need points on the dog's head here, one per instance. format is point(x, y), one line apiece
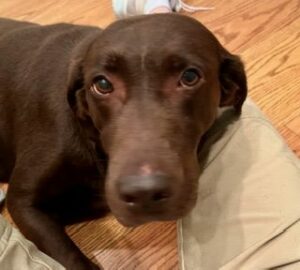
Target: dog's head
point(150, 88)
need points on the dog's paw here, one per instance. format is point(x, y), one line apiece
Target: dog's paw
point(84, 265)
point(96, 267)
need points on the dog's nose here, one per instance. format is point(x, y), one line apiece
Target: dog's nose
point(145, 191)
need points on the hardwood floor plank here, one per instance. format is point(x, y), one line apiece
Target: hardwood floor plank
point(241, 24)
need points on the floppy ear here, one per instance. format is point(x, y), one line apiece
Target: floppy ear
point(233, 81)
point(75, 81)
point(76, 93)
point(77, 99)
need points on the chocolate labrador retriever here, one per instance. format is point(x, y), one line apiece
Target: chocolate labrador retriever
point(93, 119)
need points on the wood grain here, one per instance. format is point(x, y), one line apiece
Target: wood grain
point(267, 36)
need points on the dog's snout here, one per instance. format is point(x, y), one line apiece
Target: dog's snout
point(147, 191)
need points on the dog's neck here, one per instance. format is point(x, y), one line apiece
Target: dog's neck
point(225, 117)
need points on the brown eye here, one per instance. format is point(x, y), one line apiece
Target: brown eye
point(189, 77)
point(102, 86)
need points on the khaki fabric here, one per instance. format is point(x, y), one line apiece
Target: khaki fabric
point(17, 253)
point(248, 211)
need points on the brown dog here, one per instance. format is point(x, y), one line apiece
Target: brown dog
point(92, 120)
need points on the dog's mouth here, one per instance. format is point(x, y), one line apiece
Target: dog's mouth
point(131, 220)
point(171, 209)
point(134, 221)
point(144, 185)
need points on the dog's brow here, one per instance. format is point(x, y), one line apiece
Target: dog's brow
point(112, 61)
point(175, 62)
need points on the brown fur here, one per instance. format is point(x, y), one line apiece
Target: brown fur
point(69, 153)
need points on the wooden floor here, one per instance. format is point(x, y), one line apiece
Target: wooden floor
point(267, 36)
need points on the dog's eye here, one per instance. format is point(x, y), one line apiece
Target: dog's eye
point(102, 86)
point(189, 77)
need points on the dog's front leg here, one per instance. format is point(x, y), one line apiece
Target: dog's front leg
point(41, 228)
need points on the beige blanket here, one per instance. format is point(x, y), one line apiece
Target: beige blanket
point(248, 212)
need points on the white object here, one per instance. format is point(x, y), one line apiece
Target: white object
point(127, 8)
point(2, 196)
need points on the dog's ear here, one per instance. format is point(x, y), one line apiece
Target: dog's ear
point(233, 81)
point(76, 92)
point(77, 98)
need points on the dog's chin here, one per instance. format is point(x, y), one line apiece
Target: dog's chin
point(126, 222)
point(138, 222)
point(134, 221)
point(136, 217)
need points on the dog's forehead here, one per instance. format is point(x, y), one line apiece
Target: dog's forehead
point(159, 30)
point(154, 38)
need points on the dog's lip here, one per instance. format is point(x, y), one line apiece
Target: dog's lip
point(134, 221)
point(128, 222)
point(133, 217)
